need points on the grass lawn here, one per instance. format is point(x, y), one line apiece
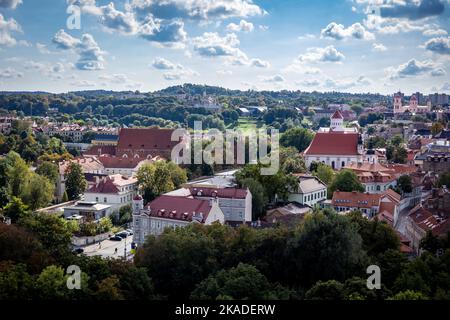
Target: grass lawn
point(247, 124)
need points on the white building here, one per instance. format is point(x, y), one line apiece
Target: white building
point(115, 190)
point(310, 191)
point(89, 211)
point(336, 146)
point(235, 203)
point(413, 107)
point(171, 212)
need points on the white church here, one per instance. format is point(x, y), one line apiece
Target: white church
point(338, 146)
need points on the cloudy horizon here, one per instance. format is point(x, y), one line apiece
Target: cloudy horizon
point(356, 46)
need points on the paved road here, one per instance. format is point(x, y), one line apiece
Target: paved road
point(401, 221)
point(107, 249)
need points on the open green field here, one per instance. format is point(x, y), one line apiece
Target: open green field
point(247, 124)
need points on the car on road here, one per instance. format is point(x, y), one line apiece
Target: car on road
point(130, 232)
point(122, 234)
point(115, 238)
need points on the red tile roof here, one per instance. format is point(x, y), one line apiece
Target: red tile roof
point(334, 143)
point(100, 150)
point(337, 115)
point(104, 186)
point(119, 162)
point(178, 208)
point(145, 139)
point(355, 199)
point(230, 193)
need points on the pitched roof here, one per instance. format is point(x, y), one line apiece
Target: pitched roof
point(89, 164)
point(337, 115)
point(355, 199)
point(97, 150)
point(147, 138)
point(178, 208)
point(334, 143)
point(110, 184)
point(119, 162)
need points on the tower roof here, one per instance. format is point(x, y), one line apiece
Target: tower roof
point(337, 115)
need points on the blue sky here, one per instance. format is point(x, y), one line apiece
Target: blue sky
point(348, 45)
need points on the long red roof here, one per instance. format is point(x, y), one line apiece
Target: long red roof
point(145, 139)
point(334, 143)
point(178, 208)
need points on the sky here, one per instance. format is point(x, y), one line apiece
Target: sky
point(378, 46)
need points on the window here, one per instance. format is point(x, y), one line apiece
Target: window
point(104, 200)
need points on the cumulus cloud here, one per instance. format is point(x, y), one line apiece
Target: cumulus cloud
point(10, 73)
point(210, 44)
point(115, 20)
point(168, 34)
point(411, 68)
point(378, 47)
point(273, 79)
point(9, 4)
point(163, 64)
point(90, 56)
point(339, 32)
point(87, 6)
point(438, 72)
point(7, 27)
point(260, 63)
point(435, 32)
point(200, 10)
point(327, 54)
point(439, 45)
point(412, 9)
point(309, 83)
point(243, 26)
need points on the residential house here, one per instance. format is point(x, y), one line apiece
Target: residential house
point(310, 192)
point(171, 212)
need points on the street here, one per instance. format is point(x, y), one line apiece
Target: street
point(106, 249)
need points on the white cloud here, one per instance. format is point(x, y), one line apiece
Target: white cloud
point(166, 34)
point(273, 79)
point(42, 48)
point(378, 47)
point(411, 68)
point(90, 56)
point(435, 32)
point(117, 21)
point(243, 26)
point(163, 64)
point(200, 10)
point(263, 27)
point(439, 72)
point(260, 63)
point(327, 54)
point(10, 73)
point(6, 28)
point(439, 45)
point(339, 32)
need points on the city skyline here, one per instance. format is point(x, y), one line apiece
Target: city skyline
point(350, 46)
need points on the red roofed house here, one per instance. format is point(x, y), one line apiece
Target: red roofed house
point(369, 204)
point(336, 146)
point(171, 212)
point(115, 190)
point(431, 215)
point(145, 143)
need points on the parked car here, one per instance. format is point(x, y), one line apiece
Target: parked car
point(115, 238)
point(122, 234)
point(130, 232)
point(78, 251)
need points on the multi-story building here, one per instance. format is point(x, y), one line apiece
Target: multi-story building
point(115, 190)
point(171, 212)
point(235, 203)
point(310, 192)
